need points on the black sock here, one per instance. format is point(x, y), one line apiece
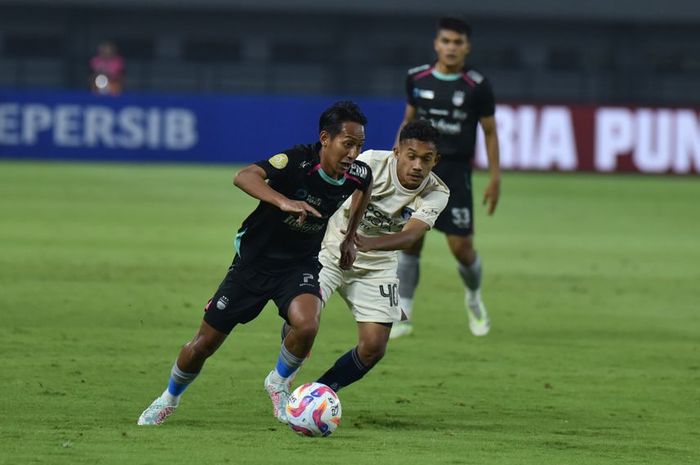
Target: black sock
point(347, 369)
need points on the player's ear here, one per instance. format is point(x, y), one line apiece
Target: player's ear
point(325, 138)
point(396, 151)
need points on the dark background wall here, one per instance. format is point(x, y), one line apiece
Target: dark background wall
point(600, 52)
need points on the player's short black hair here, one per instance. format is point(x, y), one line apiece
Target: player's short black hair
point(454, 24)
point(420, 129)
point(340, 112)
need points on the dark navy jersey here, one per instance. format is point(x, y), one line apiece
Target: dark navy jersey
point(453, 103)
point(271, 236)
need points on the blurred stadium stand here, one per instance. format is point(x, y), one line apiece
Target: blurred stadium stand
point(644, 51)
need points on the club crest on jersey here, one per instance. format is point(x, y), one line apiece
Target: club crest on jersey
point(222, 302)
point(279, 161)
point(458, 98)
point(424, 93)
point(406, 213)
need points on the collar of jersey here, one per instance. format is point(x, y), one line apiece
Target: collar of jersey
point(395, 178)
point(330, 180)
point(446, 77)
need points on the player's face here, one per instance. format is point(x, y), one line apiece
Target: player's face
point(451, 48)
point(338, 153)
point(415, 160)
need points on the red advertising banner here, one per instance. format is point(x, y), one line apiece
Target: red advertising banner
point(599, 139)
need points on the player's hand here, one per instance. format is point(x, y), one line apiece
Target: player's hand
point(300, 209)
point(491, 194)
point(348, 253)
point(363, 243)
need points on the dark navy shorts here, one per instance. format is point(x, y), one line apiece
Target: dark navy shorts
point(246, 290)
point(457, 218)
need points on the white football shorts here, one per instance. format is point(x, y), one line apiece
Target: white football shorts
point(372, 296)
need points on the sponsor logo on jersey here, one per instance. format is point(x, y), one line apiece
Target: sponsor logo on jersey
point(309, 227)
point(424, 93)
point(458, 98)
point(315, 201)
point(438, 111)
point(376, 220)
point(279, 161)
point(445, 127)
point(459, 114)
point(222, 303)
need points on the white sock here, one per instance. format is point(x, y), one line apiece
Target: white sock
point(473, 294)
point(276, 378)
point(169, 398)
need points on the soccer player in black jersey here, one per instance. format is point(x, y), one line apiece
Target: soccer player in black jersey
point(455, 99)
point(276, 252)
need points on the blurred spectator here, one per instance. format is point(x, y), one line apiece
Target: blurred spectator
point(107, 68)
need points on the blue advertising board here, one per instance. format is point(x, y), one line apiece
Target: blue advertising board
point(171, 128)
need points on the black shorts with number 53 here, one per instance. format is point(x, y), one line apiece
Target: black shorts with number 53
point(246, 290)
point(457, 218)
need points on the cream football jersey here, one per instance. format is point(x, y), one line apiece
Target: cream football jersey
point(390, 208)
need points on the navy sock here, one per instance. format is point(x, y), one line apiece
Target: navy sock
point(347, 369)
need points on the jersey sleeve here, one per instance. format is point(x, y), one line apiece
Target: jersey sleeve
point(280, 165)
point(366, 156)
point(430, 205)
point(361, 174)
point(485, 101)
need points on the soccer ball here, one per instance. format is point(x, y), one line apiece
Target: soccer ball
point(313, 409)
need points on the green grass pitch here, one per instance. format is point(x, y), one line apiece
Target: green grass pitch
point(593, 285)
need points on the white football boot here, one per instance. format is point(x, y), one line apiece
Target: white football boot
point(400, 328)
point(279, 394)
point(157, 412)
point(479, 323)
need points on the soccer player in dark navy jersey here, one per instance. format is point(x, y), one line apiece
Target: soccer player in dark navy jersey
point(455, 99)
point(276, 252)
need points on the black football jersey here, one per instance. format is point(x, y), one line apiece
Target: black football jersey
point(453, 103)
point(271, 235)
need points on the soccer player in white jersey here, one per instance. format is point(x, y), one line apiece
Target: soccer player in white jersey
point(405, 202)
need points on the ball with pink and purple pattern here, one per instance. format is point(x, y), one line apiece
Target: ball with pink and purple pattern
point(313, 409)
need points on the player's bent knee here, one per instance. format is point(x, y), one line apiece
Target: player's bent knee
point(371, 354)
point(462, 248)
point(306, 329)
point(203, 347)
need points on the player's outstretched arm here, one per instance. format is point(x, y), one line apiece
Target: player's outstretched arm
point(493, 189)
point(251, 180)
point(411, 232)
point(359, 203)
